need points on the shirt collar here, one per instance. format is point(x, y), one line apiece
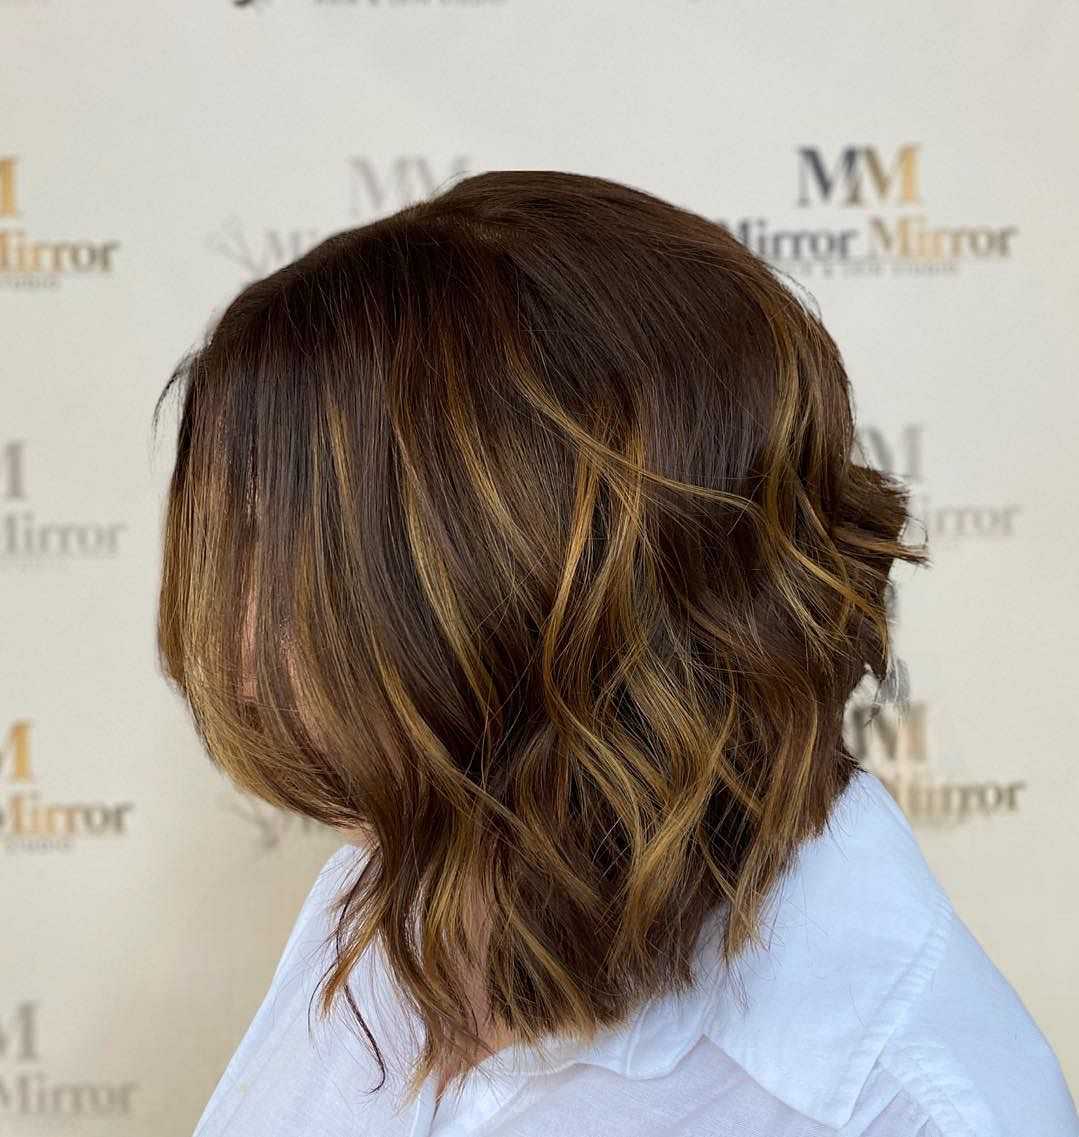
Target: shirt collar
point(850, 934)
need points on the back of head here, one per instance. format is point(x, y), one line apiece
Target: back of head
point(541, 499)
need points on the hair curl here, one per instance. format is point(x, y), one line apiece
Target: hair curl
point(565, 572)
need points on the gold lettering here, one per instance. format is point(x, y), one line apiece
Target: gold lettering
point(7, 187)
point(16, 752)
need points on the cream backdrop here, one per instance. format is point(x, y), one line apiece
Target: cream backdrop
point(914, 166)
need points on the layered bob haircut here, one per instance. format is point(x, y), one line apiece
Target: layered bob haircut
point(542, 494)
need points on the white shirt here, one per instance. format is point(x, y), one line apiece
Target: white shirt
point(871, 1012)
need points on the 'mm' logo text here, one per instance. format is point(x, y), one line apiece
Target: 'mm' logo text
point(874, 219)
point(858, 177)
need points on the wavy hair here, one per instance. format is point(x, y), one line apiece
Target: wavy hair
point(542, 496)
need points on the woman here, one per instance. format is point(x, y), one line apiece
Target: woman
point(518, 537)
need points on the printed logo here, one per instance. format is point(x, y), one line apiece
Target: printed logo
point(26, 541)
point(875, 220)
point(373, 191)
point(892, 742)
point(258, 257)
point(32, 822)
point(376, 190)
point(903, 455)
point(30, 1093)
point(30, 263)
point(386, 4)
point(891, 737)
point(269, 827)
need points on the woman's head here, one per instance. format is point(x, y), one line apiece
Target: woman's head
point(535, 505)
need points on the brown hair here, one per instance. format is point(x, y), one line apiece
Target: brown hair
point(565, 572)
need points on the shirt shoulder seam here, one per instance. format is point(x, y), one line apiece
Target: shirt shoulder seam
point(906, 995)
point(904, 1064)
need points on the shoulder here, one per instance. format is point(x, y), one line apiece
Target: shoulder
point(872, 1010)
point(968, 1055)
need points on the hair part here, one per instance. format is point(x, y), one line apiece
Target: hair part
point(563, 574)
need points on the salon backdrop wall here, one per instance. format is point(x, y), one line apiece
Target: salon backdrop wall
point(913, 167)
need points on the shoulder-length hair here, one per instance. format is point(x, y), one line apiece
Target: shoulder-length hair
point(542, 495)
